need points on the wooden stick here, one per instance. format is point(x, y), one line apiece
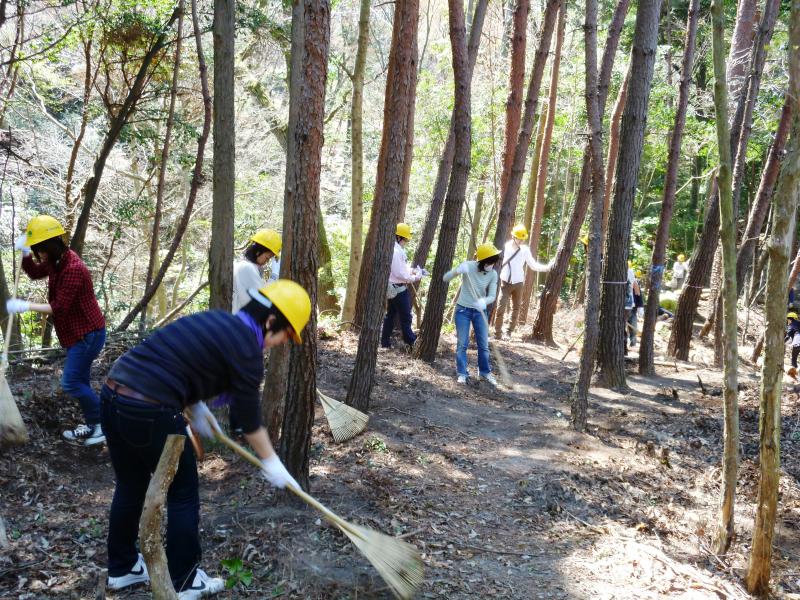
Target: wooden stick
point(152, 516)
point(10, 321)
point(572, 346)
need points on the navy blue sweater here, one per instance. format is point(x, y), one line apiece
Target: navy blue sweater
point(196, 358)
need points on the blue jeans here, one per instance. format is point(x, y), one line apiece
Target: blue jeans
point(463, 317)
point(75, 380)
point(136, 433)
point(399, 306)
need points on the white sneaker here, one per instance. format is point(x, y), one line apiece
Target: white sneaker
point(138, 574)
point(490, 378)
point(461, 379)
point(203, 585)
point(89, 435)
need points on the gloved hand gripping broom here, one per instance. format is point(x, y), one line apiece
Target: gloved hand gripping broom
point(398, 562)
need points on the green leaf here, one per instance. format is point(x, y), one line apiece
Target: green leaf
point(246, 577)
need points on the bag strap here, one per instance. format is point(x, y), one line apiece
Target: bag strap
point(510, 258)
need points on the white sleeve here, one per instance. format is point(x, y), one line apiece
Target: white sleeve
point(532, 263)
point(274, 270)
point(247, 276)
point(400, 268)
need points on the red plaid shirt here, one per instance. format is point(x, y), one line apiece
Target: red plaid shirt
point(71, 296)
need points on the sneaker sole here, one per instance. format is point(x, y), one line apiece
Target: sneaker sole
point(94, 441)
point(122, 586)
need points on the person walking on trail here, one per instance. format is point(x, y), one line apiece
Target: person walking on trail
point(478, 290)
point(516, 254)
point(680, 269)
point(248, 271)
point(398, 298)
point(197, 357)
point(77, 318)
point(638, 306)
point(793, 336)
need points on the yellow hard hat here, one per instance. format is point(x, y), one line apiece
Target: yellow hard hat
point(486, 251)
point(585, 240)
point(681, 258)
point(791, 315)
point(403, 230)
point(41, 228)
point(269, 238)
point(638, 274)
point(289, 298)
point(630, 264)
point(520, 232)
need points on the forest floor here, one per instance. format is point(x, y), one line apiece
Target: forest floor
point(500, 496)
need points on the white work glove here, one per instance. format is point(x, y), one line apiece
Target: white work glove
point(481, 303)
point(640, 312)
point(462, 269)
point(421, 271)
point(274, 472)
point(200, 420)
point(15, 305)
point(20, 244)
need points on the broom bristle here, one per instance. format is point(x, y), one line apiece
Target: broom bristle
point(12, 427)
point(398, 562)
point(345, 421)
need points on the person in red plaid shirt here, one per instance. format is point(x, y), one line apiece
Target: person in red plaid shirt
point(78, 321)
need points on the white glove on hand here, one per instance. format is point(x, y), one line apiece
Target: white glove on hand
point(274, 472)
point(200, 420)
point(20, 244)
point(15, 305)
point(462, 269)
point(640, 312)
point(480, 303)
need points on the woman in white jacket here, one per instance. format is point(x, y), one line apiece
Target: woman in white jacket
point(248, 271)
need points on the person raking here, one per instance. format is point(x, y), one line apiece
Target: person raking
point(77, 318)
point(793, 336)
point(478, 290)
point(195, 358)
point(248, 271)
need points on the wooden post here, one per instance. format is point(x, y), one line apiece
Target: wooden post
point(152, 516)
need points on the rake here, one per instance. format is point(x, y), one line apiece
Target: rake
point(12, 427)
point(345, 421)
point(398, 562)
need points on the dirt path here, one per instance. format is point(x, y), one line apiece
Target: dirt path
point(494, 488)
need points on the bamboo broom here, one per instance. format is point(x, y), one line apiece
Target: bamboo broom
point(398, 562)
point(12, 427)
point(345, 421)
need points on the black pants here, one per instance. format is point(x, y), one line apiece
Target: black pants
point(795, 352)
point(398, 307)
point(136, 433)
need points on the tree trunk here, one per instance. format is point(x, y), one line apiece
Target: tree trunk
point(197, 179)
point(760, 207)
point(580, 392)
point(400, 94)
point(543, 325)
point(508, 200)
point(544, 158)
point(728, 235)
point(613, 151)
point(516, 82)
point(299, 260)
point(328, 302)
point(426, 345)
point(783, 226)
point(646, 366)
point(119, 120)
point(611, 346)
point(357, 164)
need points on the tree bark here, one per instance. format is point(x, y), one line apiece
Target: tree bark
point(783, 226)
point(328, 302)
point(197, 179)
point(613, 151)
point(516, 82)
point(119, 120)
point(580, 392)
point(428, 341)
point(400, 94)
point(610, 353)
point(646, 366)
point(728, 234)
point(508, 200)
point(542, 329)
point(357, 164)
point(299, 259)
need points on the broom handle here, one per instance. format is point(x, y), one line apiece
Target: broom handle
point(329, 515)
point(10, 322)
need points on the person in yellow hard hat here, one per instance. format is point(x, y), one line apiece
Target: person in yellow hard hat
point(478, 290)
point(680, 270)
point(77, 318)
point(398, 306)
point(793, 336)
point(248, 271)
point(200, 356)
point(516, 254)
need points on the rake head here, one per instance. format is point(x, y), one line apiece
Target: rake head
point(345, 421)
point(398, 562)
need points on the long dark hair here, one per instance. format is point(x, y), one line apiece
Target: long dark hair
point(53, 247)
point(261, 314)
point(487, 262)
point(254, 250)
